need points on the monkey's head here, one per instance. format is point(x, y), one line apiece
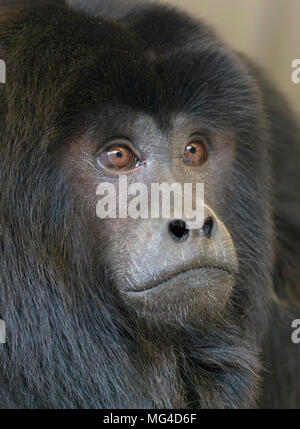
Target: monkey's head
point(93, 100)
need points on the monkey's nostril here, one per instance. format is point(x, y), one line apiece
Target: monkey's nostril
point(207, 227)
point(178, 230)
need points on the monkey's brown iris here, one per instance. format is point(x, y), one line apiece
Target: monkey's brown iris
point(196, 153)
point(118, 158)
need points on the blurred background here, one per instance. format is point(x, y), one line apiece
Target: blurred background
point(267, 30)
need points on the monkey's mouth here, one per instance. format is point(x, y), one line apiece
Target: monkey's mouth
point(189, 277)
point(192, 294)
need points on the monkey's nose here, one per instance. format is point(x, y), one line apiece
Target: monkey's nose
point(207, 227)
point(179, 231)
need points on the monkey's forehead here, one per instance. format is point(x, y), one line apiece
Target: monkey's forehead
point(154, 60)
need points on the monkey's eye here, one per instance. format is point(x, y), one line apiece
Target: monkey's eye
point(196, 152)
point(118, 158)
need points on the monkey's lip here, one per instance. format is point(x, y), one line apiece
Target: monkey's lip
point(183, 275)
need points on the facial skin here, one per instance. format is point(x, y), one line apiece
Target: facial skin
point(158, 270)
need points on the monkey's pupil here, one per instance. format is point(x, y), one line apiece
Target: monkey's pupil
point(119, 154)
point(193, 150)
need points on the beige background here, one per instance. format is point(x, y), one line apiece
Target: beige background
point(267, 30)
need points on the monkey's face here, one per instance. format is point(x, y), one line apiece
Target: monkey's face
point(161, 265)
point(118, 105)
point(159, 118)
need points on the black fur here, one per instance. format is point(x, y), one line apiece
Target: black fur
point(69, 343)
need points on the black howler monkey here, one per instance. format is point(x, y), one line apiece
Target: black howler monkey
point(143, 313)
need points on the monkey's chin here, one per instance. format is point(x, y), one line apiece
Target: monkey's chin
point(197, 294)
